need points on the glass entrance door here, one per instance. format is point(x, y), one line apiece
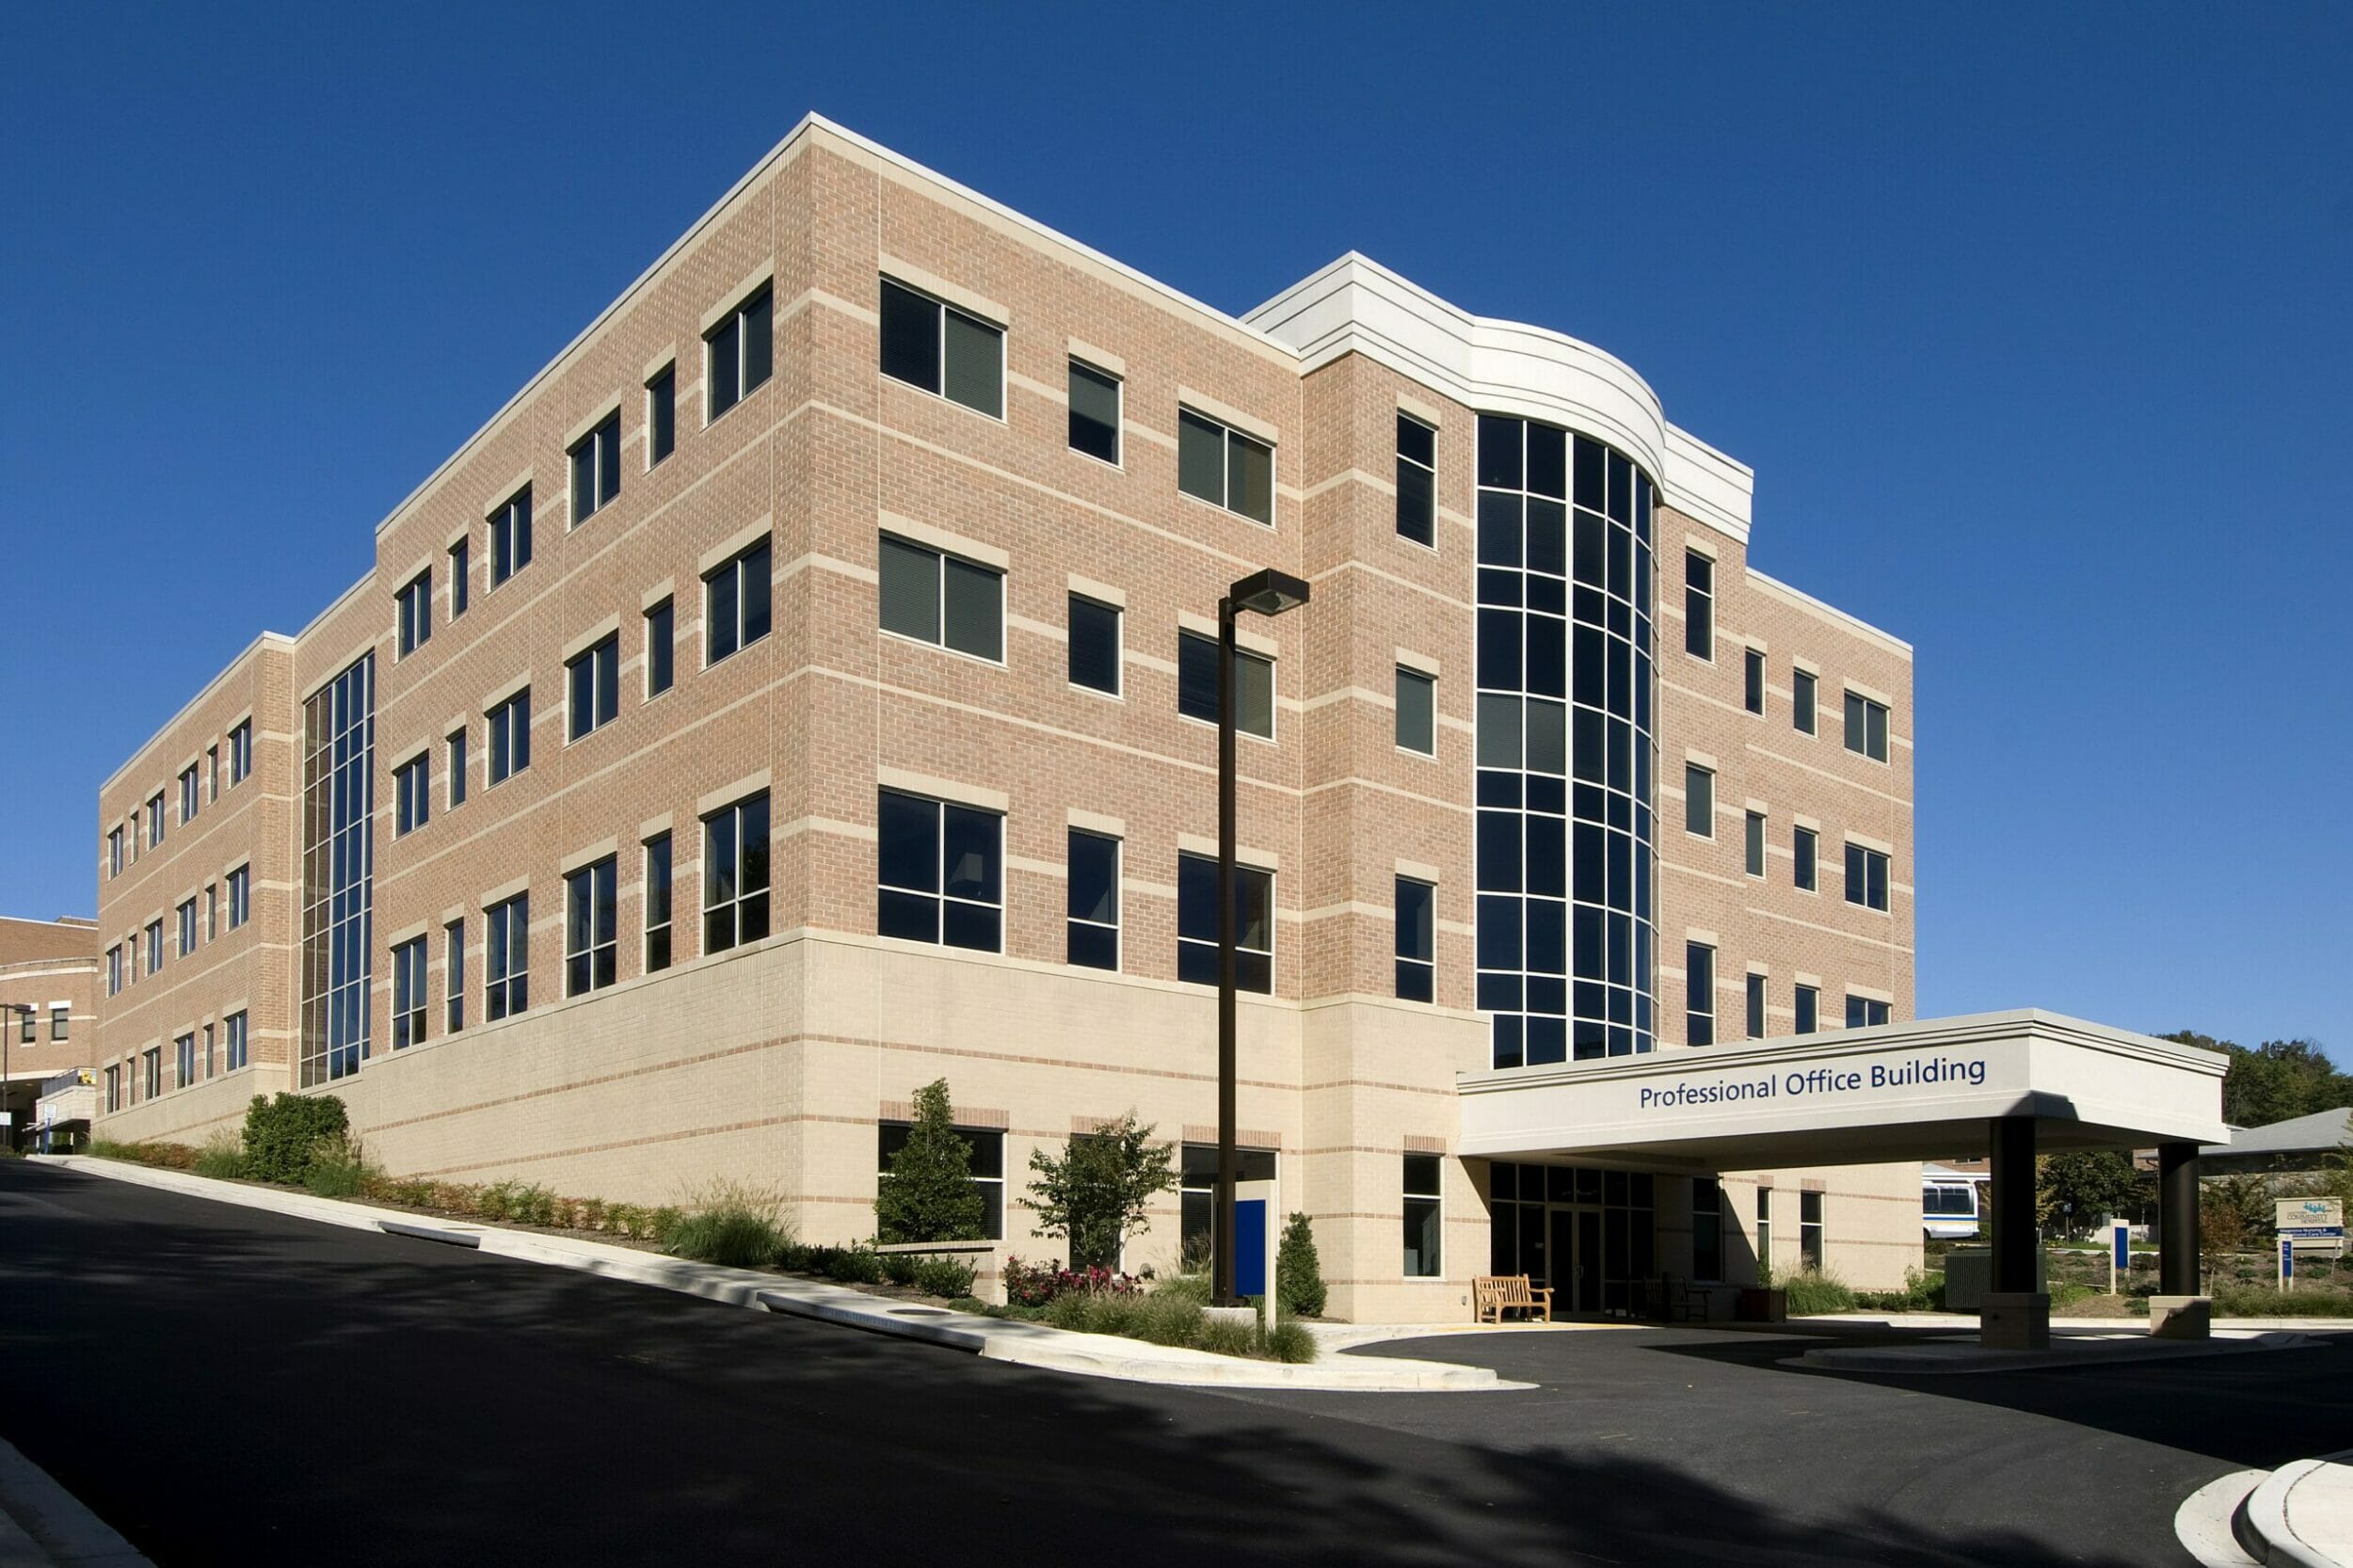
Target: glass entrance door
point(1577, 1259)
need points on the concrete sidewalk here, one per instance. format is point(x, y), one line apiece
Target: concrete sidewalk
point(995, 1338)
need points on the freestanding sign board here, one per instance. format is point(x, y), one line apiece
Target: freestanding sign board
point(2310, 1225)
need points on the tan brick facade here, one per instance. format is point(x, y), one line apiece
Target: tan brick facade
point(773, 1061)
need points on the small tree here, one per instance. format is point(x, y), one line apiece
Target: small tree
point(2222, 1228)
point(928, 1194)
point(1298, 1273)
point(2076, 1189)
point(282, 1136)
point(1099, 1188)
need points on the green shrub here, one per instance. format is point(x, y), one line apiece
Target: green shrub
point(1920, 1293)
point(1224, 1337)
point(170, 1157)
point(2262, 1301)
point(729, 1223)
point(1291, 1342)
point(899, 1268)
point(282, 1136)
point(1195, 1288)
point(951, 1277)
point(222, 1157)
point(1813, 1291)
point(1298, 1274)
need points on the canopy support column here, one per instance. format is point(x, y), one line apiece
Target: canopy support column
point(2016, 1314)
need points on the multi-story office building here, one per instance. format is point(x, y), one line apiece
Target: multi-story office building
point(48, 1008)
point(800, 690)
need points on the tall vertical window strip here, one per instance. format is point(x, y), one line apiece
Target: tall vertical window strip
point(338, 874)
point(660, 415)
point(740, 353)
point(1093, 413)
point(1699, 969)
point(1424, 1215)
point(1094, 909)
point(409, 994)
point(591, 940)
point(596, 469)
point(1753, 681)
point(661, 649)
point(1699, 605)
point(1565, 753)
point(1224, 467)
point(952, 354)
point(510, 537)
point(453, 975)
point(507, 959)
point(735, 874)
point(1416, 481)
point(1756, 1006)
point(657, 903)
point(1416, 940)
point(415, 604)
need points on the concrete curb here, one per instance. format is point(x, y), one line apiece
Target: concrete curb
point(995, 1338)
point(44, 1525)
point(2301, 1512)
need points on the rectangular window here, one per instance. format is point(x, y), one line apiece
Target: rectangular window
point(1801, 688)
point(412, 794)
point(114, 970)
point(234, 1039)
point(212, 1057)
point(1197, 924)
point(154, 946)
point(1224, 467)
point(510, 736)
point(657, 903)
point(1865, 1012)
point(240, 752)
point(59, 1019)
point(1094, 645)
point(212, 910)
point(1753, 847)
point(593, 683)
point(1753, 683)
point(1699, 605)
point(414, 603)
point(184, 1061)
point(987, 1166)
point(1424, 1216)
point(738, 353)
point(1196, 685)
point(187, 927)
point(454, 976)
point(1416, 940)
point(660, 415)
point(1756, 1006)
point(950, 353)
point(1764, 1234)
point(409, 994)
point(510, 537)
point(1707, 1229)
point(735, 874)
point(1699, 969)
point(25, 1034)
point(1417, 711)
point(942, 599)
point(155, 819)
point(1093, 916)
point(596, 469)
point(1867, 726)
point(457, 767)
point(661, 649)
point(114, 852)
point(1416, 481)
point(189, 793)
point(507, 931)
point(591, 943)
point(114, 1089)
point(940, 873)
point(460, 577)
point(1810, 1230)
point(736, 604)
point(1093, 413)
point(1803, 854)
point(1698, 800)
point(152, 1065)
point(1867, 877)
point(1809, 1009)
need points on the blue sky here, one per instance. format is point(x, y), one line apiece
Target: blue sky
point(2034, 323)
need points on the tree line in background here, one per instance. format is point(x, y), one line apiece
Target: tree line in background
point(2275, 1082)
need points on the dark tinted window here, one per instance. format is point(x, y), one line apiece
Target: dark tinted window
point(1093, 413)
point(1094, 644)
point(1093, 912)
point(662, 415)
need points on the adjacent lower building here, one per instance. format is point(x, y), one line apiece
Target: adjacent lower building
point(803, 690)
point(48, 1018)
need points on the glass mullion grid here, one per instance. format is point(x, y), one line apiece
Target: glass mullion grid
point(336, 919)
point(1564, 599)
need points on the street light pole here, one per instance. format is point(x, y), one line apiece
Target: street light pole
point(1266, 593)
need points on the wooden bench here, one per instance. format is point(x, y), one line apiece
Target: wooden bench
point(1494, 1295)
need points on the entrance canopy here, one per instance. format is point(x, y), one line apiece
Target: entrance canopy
point(1927, 1090)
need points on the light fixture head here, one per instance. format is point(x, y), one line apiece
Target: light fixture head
point(1269, 592)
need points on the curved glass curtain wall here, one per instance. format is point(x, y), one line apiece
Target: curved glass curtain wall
point(338, 871)
point(1565, 751)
